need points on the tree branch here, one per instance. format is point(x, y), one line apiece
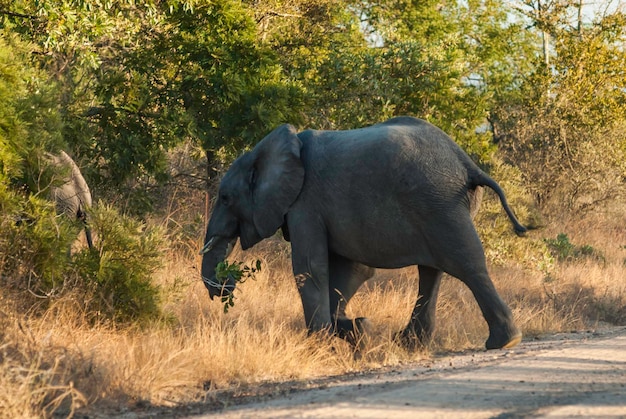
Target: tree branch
point(15, 14)
point(100, 110)
point(271, 13)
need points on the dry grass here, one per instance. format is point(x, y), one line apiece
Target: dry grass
point(59, 362)
point(35, 378)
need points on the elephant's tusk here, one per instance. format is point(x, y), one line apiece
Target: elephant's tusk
point(218, 285)
point(209, 245)
point(229, 249)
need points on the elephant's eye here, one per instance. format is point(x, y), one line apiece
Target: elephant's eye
point(225, 199)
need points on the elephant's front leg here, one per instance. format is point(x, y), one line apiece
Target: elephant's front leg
point(309, 254)
point(346, 276)
point(313, 289)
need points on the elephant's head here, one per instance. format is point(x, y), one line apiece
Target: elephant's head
point(254, 197)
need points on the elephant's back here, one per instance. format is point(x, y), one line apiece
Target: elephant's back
point(400, 136)
point(73, 194)
point(403, 152)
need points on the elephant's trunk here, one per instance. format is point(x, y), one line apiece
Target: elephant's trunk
point(215, 250)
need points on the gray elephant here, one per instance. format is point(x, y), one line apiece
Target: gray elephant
point(394, 194)
point(72, 197)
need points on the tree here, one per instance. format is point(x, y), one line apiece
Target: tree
point(32, 239)
point(139, 77)
point(447, 62)
point(566, 129)
point(361, 62)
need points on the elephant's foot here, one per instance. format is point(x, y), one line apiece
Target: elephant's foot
point(360, 336)
point(356, 332)
point(504, 339)
point(412, 340)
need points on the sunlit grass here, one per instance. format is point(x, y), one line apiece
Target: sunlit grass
point(61, 361)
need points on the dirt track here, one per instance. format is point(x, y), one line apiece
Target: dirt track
point(569, 375)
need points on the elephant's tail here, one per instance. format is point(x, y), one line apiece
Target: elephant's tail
point(484, 180)
point(82, 216)
point(88, 236)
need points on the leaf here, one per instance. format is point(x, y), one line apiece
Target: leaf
point(236, 272)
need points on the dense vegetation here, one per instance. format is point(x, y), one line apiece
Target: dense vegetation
point(154, 98)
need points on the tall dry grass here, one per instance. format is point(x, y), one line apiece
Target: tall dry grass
point(61, 362)
point(36, 378)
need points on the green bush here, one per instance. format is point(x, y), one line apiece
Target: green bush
point(118, 271)
point(564, 250)
point(34, 244)
point(495, 229)
point(113, 278)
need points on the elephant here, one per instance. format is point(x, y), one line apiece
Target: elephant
point(73, 196)
point(394, 194)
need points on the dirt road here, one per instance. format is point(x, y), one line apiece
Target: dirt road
point(569, 375)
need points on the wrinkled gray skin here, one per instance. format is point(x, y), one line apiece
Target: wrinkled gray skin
point(73, 196)
point(394, 194)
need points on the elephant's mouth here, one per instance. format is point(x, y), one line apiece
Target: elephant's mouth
point(217, 289)
point(215, 251)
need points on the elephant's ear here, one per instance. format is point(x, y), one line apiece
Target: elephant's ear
point(278, 178)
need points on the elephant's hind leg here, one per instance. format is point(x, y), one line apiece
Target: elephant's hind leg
point(346, 276)
point(467, 262)
point(419, 331)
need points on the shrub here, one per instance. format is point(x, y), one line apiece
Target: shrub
point(113, 278)
point(118, 271)
point(33, 241)
point(494, 227)
point(564, 250)
point(34, 245)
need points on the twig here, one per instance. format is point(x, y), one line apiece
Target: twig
point(15, 14)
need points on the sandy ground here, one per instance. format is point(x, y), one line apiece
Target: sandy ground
point(567, 375)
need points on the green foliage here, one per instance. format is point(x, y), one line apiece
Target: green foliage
point(33, 240)
point(362, 62)
point(134, 78)
point(114, 278)
point(29, 118)
point(230, 88)
point(139, 77)
point(501, 244)
point(118, 271)
point(34, 246)
point(234, 273)
point(564, 250)
point(565, 127)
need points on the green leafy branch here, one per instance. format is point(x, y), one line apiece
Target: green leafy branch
point(231, 274)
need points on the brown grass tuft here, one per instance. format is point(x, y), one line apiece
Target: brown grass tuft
point(57, 362)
